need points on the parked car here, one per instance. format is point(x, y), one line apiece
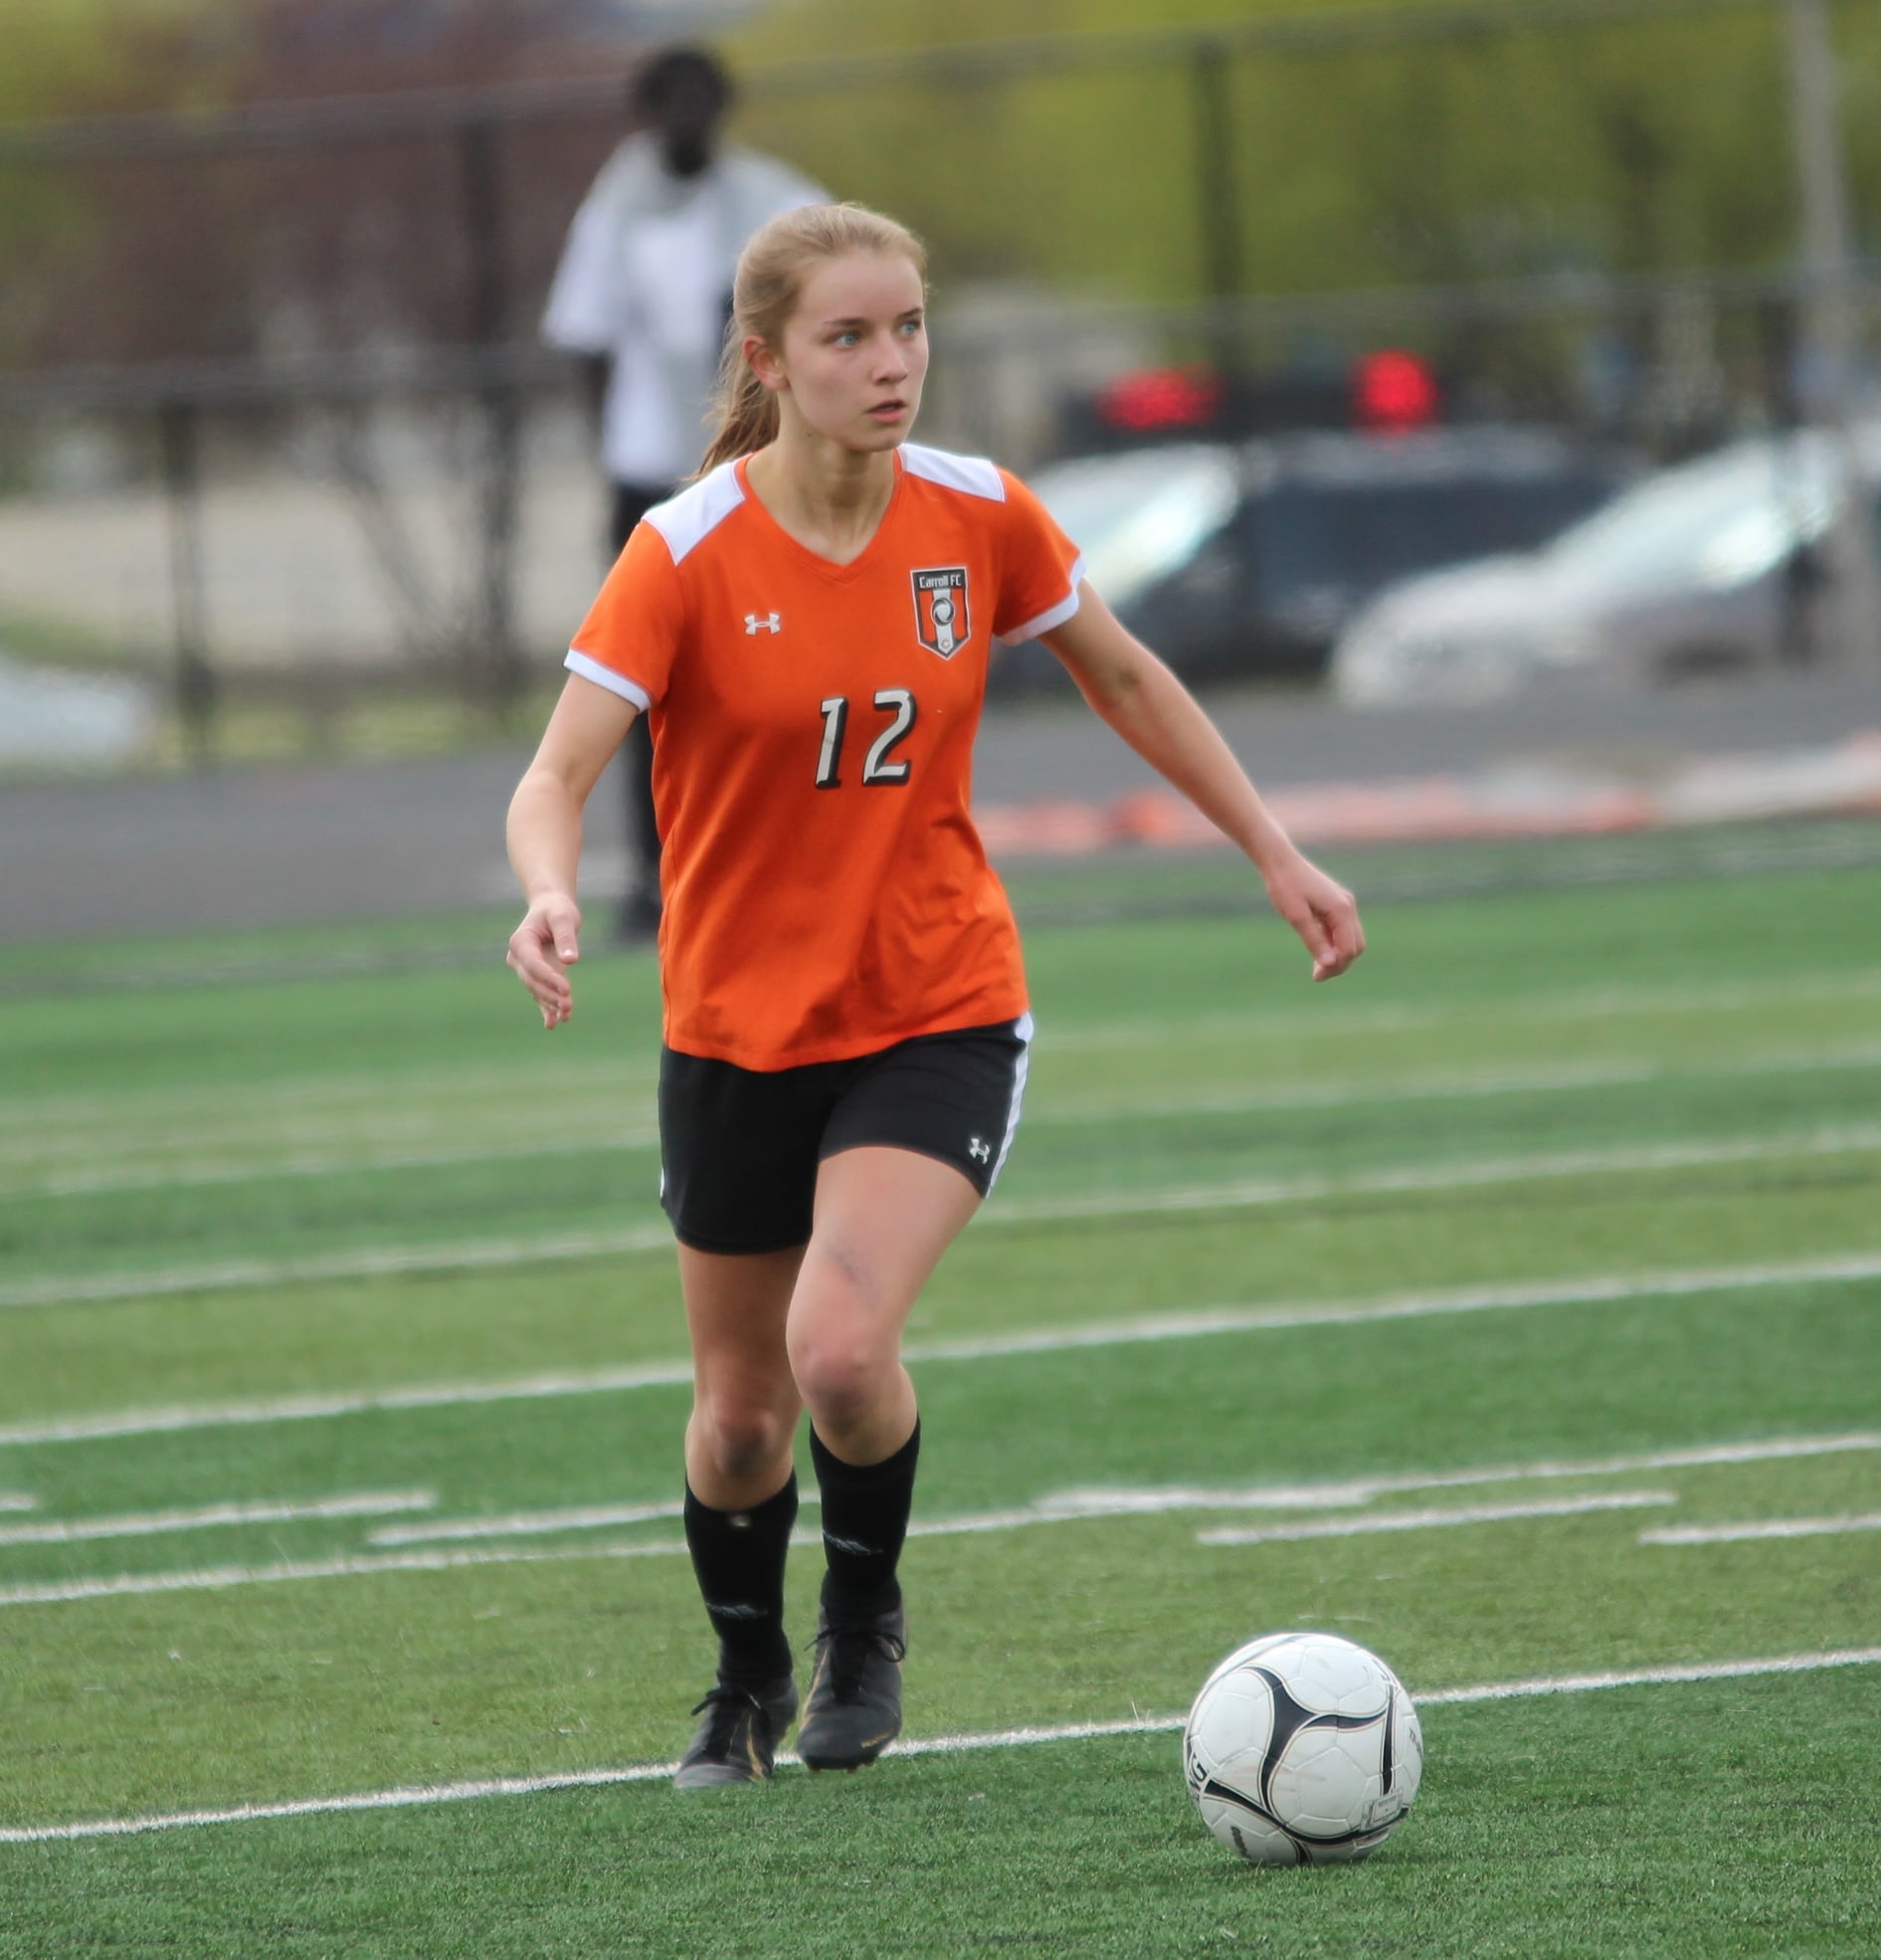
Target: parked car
point(1248, 559)
point(1736, 560)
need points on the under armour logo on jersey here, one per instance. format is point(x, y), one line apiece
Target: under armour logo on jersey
point(764, 622)
point(979, 1150)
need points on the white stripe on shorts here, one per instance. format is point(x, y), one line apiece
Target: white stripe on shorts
point(1023, 1029)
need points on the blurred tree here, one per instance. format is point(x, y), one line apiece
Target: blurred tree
point(76, 57)
point(1628, 146)
point(268, 249)
point(1635, 146)
point(68, 58)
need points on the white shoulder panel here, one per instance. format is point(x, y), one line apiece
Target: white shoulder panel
point(684, 521)
point(972, 474)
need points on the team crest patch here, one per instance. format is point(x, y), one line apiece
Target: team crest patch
point(941, 621)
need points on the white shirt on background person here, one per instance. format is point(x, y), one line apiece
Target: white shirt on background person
point(645, 279)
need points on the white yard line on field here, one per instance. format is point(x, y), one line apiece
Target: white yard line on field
point(1067, 1506)
point(397, 1121)
point(35, 1119)
point(1693, 1671)
point(1180, 1325)
point(1349, 1492)
point(1460, 1086)
point(228, 1578)
point(1571, 1004)
point(1832, 1140)
point(1082, 1506)
point(148, 1525)
point(1595, 1290)
point(394, 1125)
point(544, 1524)
point(17, 1501)
point(1432, 1520)
point(1070, 1508)
point(365, 1565)
point(1762, 1450)
point(539, 1078)
point(93, 1178)
point(411, 1796)
point(94, 1181)
point(523, 1525)
point(1769, 1527)
point(371, 1263)
point(324, 1408)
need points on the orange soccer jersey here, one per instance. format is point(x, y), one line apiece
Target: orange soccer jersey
point(826, 892)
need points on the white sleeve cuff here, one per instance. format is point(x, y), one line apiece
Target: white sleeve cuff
point(1050, 617)
point(605, 677)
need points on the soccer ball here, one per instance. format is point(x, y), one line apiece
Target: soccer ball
point(1302, 1749)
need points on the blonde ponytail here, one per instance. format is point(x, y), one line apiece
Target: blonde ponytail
point(764, 295)
point(744, 409)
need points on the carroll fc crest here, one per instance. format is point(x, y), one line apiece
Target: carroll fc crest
point(941, 623)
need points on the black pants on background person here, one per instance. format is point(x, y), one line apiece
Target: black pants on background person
point(640, 905)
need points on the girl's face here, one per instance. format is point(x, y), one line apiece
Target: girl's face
point(854, 351)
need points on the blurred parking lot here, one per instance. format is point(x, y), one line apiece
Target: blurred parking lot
point(303, 486)
point(1247, 559)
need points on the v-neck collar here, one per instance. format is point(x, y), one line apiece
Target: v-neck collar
point(828, 566)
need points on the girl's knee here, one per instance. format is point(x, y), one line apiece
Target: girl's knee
point(845, 1335)
point(741, 1435)
point(841, 1375)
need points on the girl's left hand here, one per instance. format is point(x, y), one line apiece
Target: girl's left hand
point(1321, 911)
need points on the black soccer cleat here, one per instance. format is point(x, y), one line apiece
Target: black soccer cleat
point(737, 1739)
point(854, 1711)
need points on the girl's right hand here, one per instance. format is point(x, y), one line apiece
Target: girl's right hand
point(543, 948)
point(1320, 909)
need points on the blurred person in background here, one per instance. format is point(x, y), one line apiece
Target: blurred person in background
point(643, 294)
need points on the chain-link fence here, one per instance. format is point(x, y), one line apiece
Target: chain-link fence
point(274, 424)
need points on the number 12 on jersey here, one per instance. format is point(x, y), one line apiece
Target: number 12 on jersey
point(899, 705)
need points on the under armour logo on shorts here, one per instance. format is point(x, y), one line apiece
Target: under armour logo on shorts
point(979, 1150)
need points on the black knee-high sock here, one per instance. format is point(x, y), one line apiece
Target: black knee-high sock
point(864, 1519)
point(738, 1558)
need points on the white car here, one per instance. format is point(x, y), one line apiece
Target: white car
point(1242, 560)
point(1748, 557)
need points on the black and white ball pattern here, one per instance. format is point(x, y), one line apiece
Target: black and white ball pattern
point(1302, 1749)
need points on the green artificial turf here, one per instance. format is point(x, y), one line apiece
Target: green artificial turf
point(1552, 1184)
point(1698, 1822)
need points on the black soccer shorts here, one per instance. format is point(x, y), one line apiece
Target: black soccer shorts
point(739, 1148)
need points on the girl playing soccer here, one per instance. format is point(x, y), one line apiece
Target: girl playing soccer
point(807, 627)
